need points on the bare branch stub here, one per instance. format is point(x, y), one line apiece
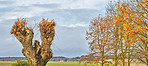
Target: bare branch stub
point(22, 32)
point(47, 31)
point(47, 34)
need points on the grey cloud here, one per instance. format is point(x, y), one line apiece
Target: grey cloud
point(7, 23)
point(29, 8)
point(22, 8)
point(10, 47)
point(72, 16)
point(8, 2)
point(8, 43)
point(52, 5)
point(67, 16)
point(70, 42)
point(6, 9)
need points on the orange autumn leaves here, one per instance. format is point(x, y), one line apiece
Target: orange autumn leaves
point(99, 33)
point(130, 24)
point(19, 27)
point(125, 25)
point(47, 29)
point(99, 36)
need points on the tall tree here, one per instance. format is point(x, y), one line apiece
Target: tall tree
point(140, 9)
point(130, 31)
point(99, 37)
point(110, 13)
point(37, 55)
point(132, 18)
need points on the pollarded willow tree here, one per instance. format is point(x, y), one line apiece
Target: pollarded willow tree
point(37, 55)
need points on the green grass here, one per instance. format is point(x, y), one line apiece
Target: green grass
point(63, 64)
point(8, 63)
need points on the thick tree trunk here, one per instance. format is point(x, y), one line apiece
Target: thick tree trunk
point(128, 63)
point(147, 62)
point(39, 56)
point(116, 47)
point(115, 57)
point(123, 58)
point(102, 56)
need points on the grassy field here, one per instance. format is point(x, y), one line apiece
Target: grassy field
point(8, 63)
point(63, 64)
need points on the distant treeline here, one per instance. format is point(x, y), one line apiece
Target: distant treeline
point(59, 58)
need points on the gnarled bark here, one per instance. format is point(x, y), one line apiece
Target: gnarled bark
point(37, 55)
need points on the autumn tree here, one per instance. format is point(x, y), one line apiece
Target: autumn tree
point(129, 32)
point(37, 54)
point(116, 46)
point(140, 21)
point(132, 18)
point(99, 37)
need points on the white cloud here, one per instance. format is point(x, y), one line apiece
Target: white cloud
point(78, 4)
point(27, 13)
point(27, 9)
point(70, 41)
point(75, 25)
point(92, 4)
point(65, 4)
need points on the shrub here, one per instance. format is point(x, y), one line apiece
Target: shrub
point(20, 63)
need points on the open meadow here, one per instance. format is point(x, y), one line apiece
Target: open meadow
point(8, 63)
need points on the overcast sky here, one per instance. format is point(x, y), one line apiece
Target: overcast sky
point(72, 19)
